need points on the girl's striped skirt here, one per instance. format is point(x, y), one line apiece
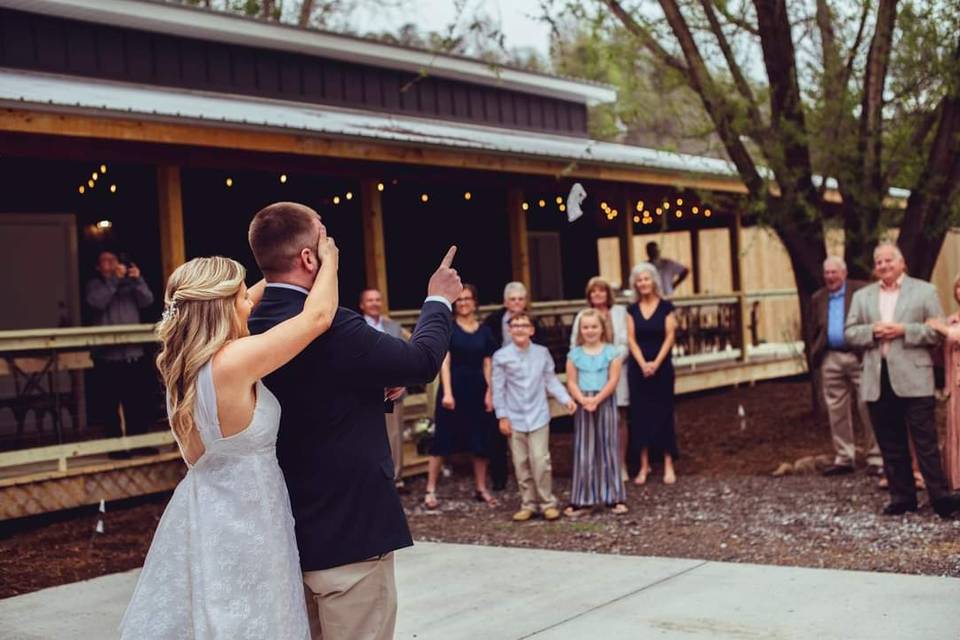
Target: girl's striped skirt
point(596, 456)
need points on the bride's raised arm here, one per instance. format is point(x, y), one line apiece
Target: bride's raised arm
point(253, 357)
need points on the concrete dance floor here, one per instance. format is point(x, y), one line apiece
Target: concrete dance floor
point(450, 591)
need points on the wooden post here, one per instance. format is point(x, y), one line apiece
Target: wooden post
point(627, 257)
point(519, 247)
point(737, 277)
point(695, 258)
point(374, 247)
point(172, 251)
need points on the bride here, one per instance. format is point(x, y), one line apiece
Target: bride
point(223, 562)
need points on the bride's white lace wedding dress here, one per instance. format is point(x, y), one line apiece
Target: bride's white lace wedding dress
point(224, 562)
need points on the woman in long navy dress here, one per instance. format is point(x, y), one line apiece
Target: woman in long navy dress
point(651, 330)
point(464, 417)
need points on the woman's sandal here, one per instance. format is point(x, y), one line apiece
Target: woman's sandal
point(430, 500)
point(575, 512)
point(619, 509)
point(641, 479)
point(484, 496)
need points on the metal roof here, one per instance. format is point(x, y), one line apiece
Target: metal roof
point(193, 22)
point(21, 89)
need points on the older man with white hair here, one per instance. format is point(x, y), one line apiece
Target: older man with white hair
point(839, 365)
point(888, 320)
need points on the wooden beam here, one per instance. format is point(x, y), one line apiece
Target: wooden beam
point(519, 246)
point(170, 206)
point(237, 137)
point(695, 258)
point(374, 246)
point(736, 268)
point(625, 235)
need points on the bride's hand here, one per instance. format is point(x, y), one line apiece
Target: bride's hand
point(327, 249)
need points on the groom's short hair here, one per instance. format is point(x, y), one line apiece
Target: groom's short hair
point(279, 232)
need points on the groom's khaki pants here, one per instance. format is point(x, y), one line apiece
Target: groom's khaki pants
point(354, 602)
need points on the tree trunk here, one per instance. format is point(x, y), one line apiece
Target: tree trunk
point(306, 12)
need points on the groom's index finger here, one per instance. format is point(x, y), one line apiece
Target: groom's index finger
point(448, 259)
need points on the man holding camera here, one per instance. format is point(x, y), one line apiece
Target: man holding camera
point(115, 297)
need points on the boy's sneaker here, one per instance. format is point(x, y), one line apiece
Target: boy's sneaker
point(523, 515)
point(551, 513)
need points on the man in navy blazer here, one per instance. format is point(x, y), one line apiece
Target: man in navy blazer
point(332, 445)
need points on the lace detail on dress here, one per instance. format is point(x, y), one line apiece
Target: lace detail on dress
point(224, 562)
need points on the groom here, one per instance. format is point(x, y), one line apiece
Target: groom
point(332, 446)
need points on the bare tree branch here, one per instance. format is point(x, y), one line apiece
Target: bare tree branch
point(855, 47)
point(737, 21)
point(753, 111)
point(644, 36)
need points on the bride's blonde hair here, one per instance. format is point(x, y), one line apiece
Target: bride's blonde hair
point(200, 318)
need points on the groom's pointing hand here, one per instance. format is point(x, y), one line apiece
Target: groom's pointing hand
point(445, 281)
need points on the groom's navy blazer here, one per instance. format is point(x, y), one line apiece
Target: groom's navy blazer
point(332, 444)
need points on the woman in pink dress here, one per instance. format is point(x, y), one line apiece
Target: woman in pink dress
point(950, 329)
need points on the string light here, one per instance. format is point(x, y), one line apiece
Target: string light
point(636, 218)
point(104, 224)
point(82, 189)
point(707, 213)
point(94, 175)
point(639, 205)
point(424, 197)
point(679, 213)
point(467, 195)
point(103, 168)
point(646, 214)
point(542, 203)
point(525, 206)
point(113, 188)
point(679, 202)
point(283, 178)
point(349, 195)
point(90, 183)
point(695, 210)
point(563, 208)
point(666, 205)
point(559, 200)
point(336, 199)
point(379, 186)
point(603, 205)
point(229, 182)
point(659, 211)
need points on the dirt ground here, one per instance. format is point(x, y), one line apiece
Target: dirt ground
point(725, 506)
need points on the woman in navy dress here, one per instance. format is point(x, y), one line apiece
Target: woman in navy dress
point(464, 417)
point(651, 330)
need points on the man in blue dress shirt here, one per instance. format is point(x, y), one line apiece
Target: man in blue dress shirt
point(839, 367)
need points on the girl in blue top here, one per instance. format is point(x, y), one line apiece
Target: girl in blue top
point(593, 370)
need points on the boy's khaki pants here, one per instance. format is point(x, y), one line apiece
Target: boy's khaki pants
point(531, 464)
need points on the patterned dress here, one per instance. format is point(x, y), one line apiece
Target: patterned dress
point(596, 438)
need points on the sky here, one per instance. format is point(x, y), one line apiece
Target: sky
point(518, 20)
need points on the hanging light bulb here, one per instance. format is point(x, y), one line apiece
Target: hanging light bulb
point(379, 186)
point(103, 168)
point(679, 202)
point(707, 213)
point(229, 182)
point(82, 189)
point(695, 210)
point(603, 205)
point(563, 208)
point(336, 199)
point(467, 195)
point(666, 205)
point(104, 224)
point(424, 197)
point(639, 205)
point(636, 218)
point(659, 211)
point(113, 188)
point(90, 183)
point(94, 175)
point(283, 178)
point(525, 206)
point(559, 200)
point(679, 213)
point(542, 203)
point(349, 195)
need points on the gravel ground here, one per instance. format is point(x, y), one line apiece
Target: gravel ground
point(725, 506)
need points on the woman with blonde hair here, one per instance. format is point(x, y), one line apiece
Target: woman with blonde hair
point(223, 562)
point(651, 330)
point(949, 328)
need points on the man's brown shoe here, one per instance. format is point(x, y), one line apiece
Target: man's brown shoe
point(551, 513)
point(523, 515)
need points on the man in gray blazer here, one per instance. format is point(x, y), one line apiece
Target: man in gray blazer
point(371, 306)
point(887, 319)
